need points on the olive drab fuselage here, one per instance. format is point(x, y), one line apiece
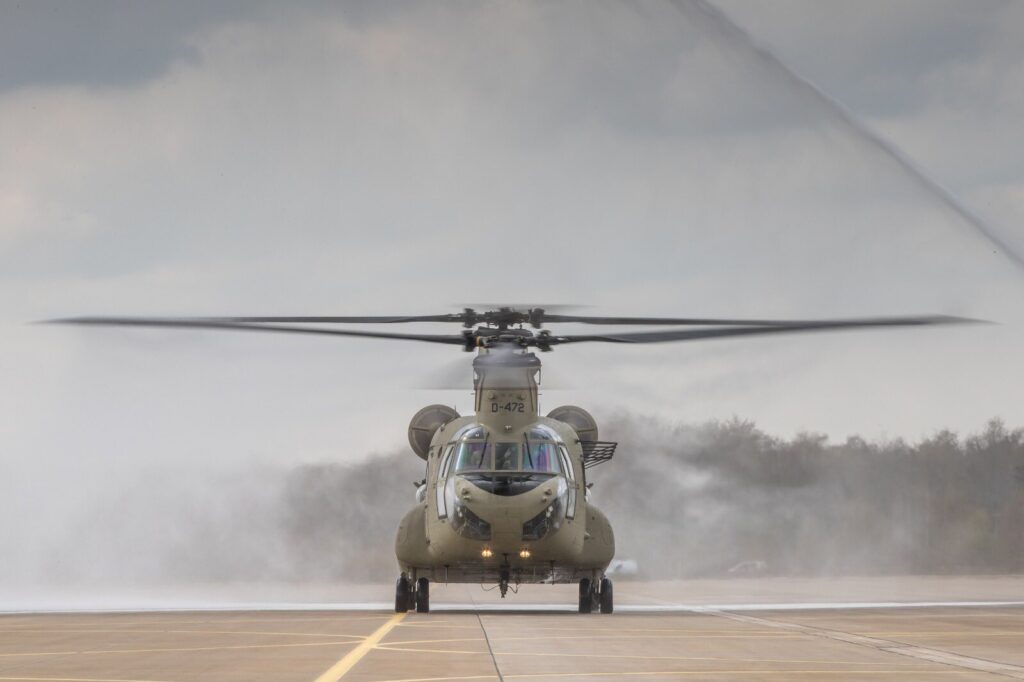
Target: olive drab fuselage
point(505, 492)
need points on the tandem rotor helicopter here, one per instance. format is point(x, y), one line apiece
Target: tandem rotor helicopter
point(505, 498)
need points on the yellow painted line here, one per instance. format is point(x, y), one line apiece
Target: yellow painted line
point(708, 673)
point(91, 652)
point(206, 621)
point(531, 654)
point(122, 631)
point(437, 641)
point(71, 679)
point(687, 673)
point(439, 679)
point(940, 633)
point(385, 647)
point(428, 624)
point(546, 638)
point(341, 668)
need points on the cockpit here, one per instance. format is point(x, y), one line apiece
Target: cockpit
point(537, 453)
point(507, 467)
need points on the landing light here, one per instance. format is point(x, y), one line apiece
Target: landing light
point(524, 554)
point(486, 553)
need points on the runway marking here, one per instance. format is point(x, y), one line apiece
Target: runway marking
point(430, 624)
point(122, 631)
point(924, 667)
point(90, 652)
point(435, 641)
point(330, 616)
point(71, 679)
point(939, 633)
point(658, 606)
point(687, 673)
point(439, 679)
point(890, 646)
point(753, 634)
point(341, 668)
point(385, 647)
point(707, 673)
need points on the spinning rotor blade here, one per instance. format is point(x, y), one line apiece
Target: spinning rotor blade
point(366, 319)
point(775, 328)
point(703, 321)
point(226, 323)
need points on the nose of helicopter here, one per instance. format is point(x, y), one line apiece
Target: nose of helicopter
point(529, 515)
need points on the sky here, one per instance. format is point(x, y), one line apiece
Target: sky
point(792, 159)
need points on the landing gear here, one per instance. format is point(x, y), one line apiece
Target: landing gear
point(607, 603)
point(591, 599)
point(403, 595)
point(586, 596)
point(503, 582)
point(423, 596)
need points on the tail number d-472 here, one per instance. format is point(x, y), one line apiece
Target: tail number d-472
point(510, 406)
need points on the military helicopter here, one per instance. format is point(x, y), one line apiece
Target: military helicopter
point(505, 497)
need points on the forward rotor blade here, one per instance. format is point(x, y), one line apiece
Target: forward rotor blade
point(808, 326)
point(317, 319)
point(703, 321)
point(223, 324)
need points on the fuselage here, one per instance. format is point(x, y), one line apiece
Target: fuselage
point(505, 492)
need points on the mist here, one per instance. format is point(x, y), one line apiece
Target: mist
point(715, 499)
point(402, 158)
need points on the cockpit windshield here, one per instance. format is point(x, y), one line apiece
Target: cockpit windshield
point(542, 456)
point(536, 453)
point(506, 456)
point(541, 451)
point(473, 456)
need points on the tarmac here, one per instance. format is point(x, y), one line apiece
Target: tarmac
point(907, 629)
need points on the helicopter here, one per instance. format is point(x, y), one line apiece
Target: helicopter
point(505, 498)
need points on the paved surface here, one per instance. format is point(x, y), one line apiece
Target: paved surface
point(748, 641)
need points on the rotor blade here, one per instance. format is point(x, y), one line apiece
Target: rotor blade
point(220, 323)
point(705, 321)
point(809, 326)
point(316, 319)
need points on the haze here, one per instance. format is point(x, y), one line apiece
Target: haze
point(410, 158)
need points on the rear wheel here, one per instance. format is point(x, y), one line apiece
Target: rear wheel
point(607, 603)
point(402, 594)
point(586, 596)
point(423, 596)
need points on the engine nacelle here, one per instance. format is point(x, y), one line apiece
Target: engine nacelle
point(425, 424)
point(579, 419)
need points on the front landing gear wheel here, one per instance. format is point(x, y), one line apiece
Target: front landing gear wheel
point(423, 596)
point(586, 596)
point(403, 593)
point(607, 603)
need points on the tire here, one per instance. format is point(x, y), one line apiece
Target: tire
point(422, 596)
point(607, 600)
point(586, 596)
point(402, 595)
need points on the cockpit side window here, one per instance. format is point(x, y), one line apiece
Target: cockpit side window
point(442, 473)
point(570, 503)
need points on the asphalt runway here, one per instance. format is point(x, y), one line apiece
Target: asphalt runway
point(471, 635)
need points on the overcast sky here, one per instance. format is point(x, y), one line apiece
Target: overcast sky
point(650, 157)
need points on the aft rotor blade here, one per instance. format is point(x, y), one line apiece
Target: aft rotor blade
point(809, 326)
point(222, 324)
